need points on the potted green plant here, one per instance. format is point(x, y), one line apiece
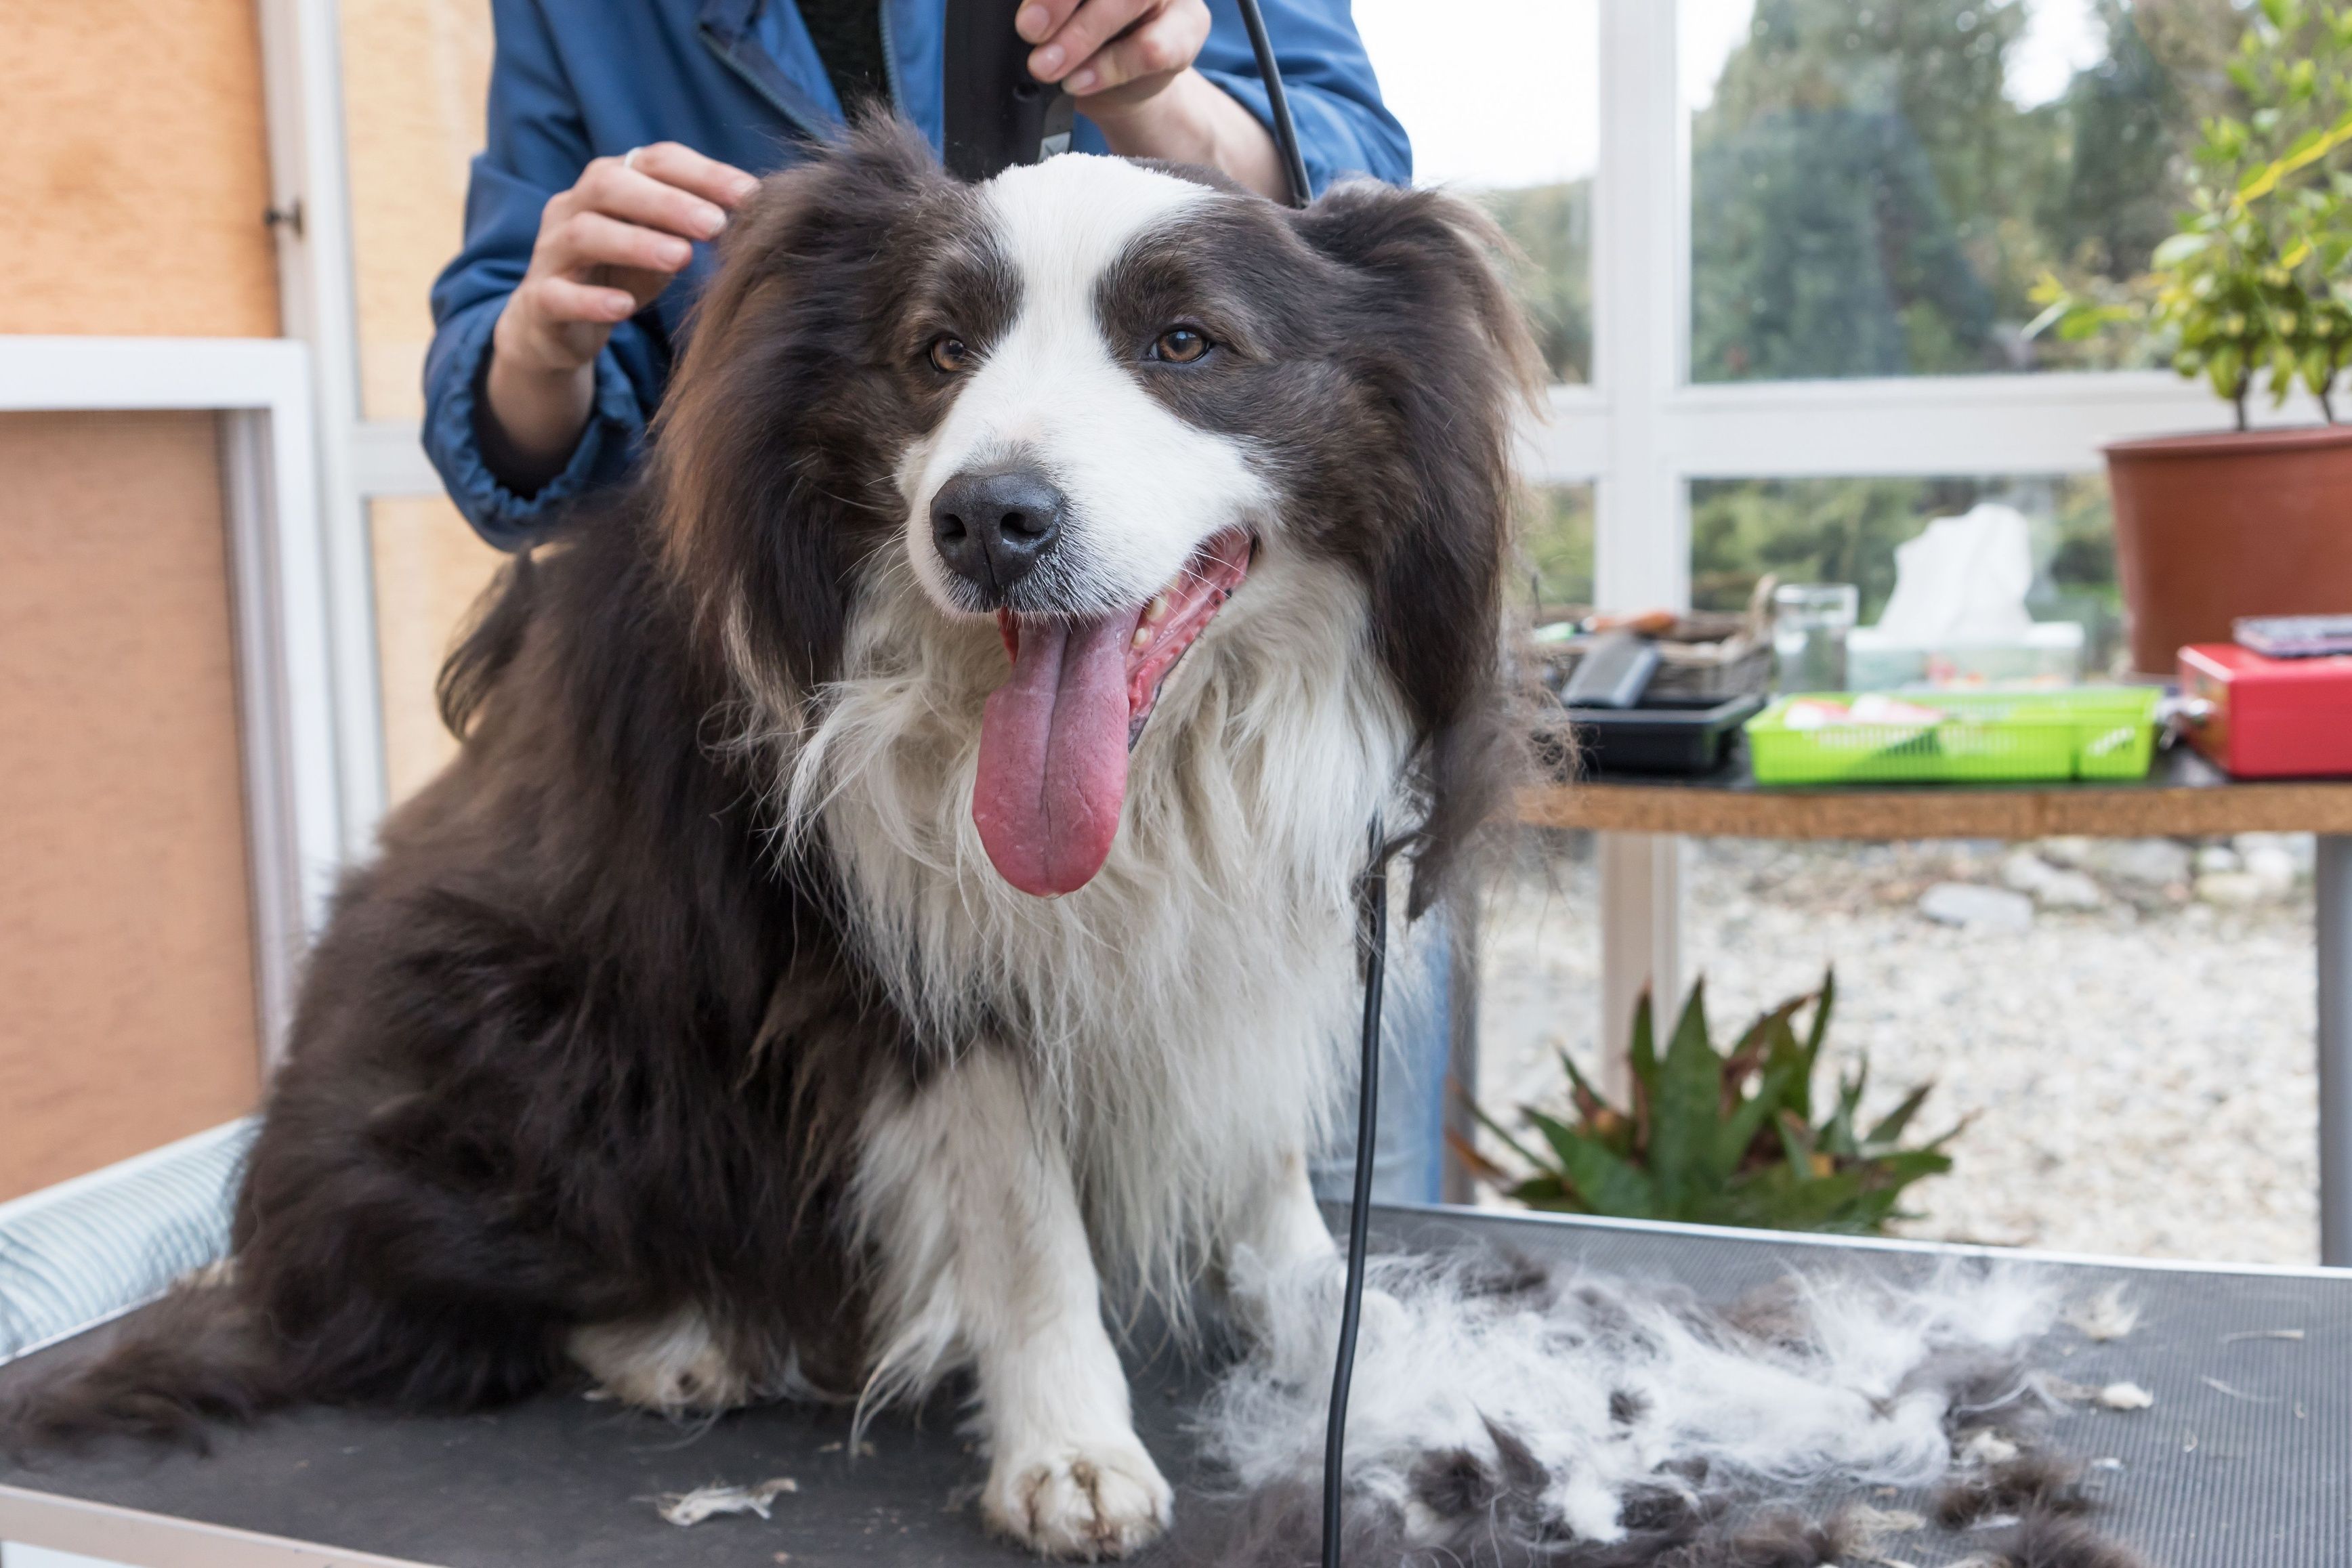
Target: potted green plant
point(1717, 1137)
point(2251, 292)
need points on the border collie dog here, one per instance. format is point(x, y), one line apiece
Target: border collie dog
point(896, 886)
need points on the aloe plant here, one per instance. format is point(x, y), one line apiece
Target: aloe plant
point(1719, 1138)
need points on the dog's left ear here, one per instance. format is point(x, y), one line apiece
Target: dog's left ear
point(1448, 361)
point(778, 380)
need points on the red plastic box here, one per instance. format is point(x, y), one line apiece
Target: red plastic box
point(2270, 719)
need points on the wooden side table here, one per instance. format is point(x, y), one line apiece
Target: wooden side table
point(2182, 795)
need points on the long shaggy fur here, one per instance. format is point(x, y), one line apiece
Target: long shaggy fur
point(1226, 898)
point(194, 1358)
point(560, 1050)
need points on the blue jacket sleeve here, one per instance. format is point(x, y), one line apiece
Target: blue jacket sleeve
point(1335, 100)
point(536, 147)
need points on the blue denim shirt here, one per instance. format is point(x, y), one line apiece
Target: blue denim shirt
point(578, 80)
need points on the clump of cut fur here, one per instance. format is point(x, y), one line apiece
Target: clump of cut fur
point(1505, 1415)
point(2025, 1484)
point(688, 1508)
point(2107, 1315)
point(2047, 1540)
point(1281, 1528)
point(1613, 1392)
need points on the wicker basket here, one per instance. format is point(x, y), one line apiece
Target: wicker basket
point(1704, 654)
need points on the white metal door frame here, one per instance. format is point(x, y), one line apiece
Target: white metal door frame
point(310, 205)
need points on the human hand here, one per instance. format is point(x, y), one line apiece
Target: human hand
point(1129, 65)
point(608, 246)
point(1112, 55)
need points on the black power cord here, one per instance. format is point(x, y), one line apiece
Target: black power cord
point(1286, 135)
point(1374, 930)
point(1375, 935)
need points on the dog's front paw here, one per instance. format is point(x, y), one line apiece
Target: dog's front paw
point(1086, 1501)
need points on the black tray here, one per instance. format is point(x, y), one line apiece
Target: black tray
point(1665, 735)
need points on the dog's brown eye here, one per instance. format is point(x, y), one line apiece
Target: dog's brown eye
point(1181, 345)
point(950, 354)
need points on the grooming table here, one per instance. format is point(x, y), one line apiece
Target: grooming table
point(2244, 1461)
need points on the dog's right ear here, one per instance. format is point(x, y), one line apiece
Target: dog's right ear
point(776, 386)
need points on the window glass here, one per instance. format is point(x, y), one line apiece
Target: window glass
point(1516, 128)
point(1557, 542)
point(1846, 530)
point(2082, 1045)
point(1538, 993)
point(2079, 1046)
point(1876, 185)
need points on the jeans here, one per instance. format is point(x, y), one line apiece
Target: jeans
point(1416, 1058)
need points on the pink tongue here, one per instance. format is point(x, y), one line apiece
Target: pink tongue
point(1052, 755)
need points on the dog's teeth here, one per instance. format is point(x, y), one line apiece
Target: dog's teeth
point(1155, 611)
point(1143, 636)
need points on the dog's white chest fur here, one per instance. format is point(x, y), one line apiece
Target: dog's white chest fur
point(1182, 1017)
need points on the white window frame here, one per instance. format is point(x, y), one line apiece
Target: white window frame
point(1643, 431)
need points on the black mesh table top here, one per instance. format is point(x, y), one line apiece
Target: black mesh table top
point(2245, 1460)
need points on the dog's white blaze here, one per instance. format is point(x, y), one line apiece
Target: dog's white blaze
point(1144, 488)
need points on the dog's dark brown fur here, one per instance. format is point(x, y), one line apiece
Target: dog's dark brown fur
point(572, 1051)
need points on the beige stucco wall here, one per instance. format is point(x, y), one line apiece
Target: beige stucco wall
point(415, 77)
point(134, 169)
point(134, 180)
point(126, 955)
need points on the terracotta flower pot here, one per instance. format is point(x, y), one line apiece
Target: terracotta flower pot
point(2212, 527)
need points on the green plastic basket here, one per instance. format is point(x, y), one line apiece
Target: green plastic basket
point(2080, 732)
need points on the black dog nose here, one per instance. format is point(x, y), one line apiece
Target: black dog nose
point(992, 528)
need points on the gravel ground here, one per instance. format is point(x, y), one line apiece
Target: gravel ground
point(2139, 1074)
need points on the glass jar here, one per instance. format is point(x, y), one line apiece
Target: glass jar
point(1810, 624)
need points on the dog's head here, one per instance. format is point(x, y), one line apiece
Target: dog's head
point(1085, 399)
